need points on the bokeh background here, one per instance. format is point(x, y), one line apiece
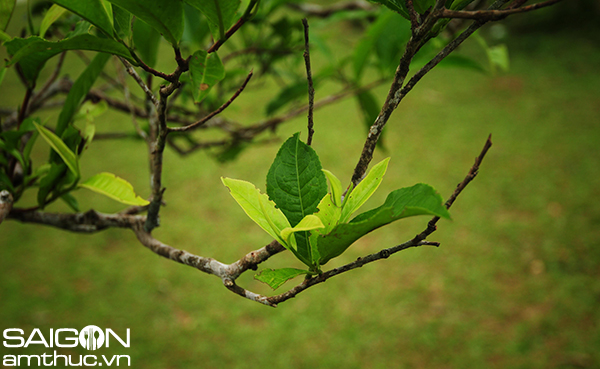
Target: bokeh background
point(515, 284)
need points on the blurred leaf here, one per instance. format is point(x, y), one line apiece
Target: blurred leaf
point(116, 188)
point(364, 190)
point(6, 11)
point(206, 70)
point(60, 147)
point(220, 14)
point(370, 109)
point(276, 277)
point(420, 199)
point(385, 39)
point(461, 61)
point(122, 22)
point(258, 207)
point(11, 148)
point(5, 182)
point(50, 17)
point(146, 40)
point(79, 90)
point(291, 93)
point(50, 181)
point(164, 16)
point(91, 10)
point(398, 6)
point(196, 28)
point(71, 201)
point(498, 56)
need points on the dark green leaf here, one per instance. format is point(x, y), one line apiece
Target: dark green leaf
point(206, 70)
point(276, 277)
point(296, 184)
point(219, 13)
point(122, 21)
point(196, 27)
point(5, 183)
point(164, 16)
point(420, 199)
point(79, 90)
point(6, 10)
point(398, 6)
point(146, 40)
point(33, 52)
point(91, 10)
point(71, 201)
point(50, 181)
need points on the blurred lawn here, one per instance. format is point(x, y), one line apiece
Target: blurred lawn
point(515, 283)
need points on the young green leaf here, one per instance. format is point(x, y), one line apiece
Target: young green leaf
point(309, 223)
point(50, 17)
point(60, 148)
point(114, 187)
point(329, 214)
point(296, 184)
point(206, 70)
point(276, 277)
point(364, 190)
point(336, 187)
point(420, 199)
point(91, 10)
point(164, 16)
point(258, 207)
point(146, 40)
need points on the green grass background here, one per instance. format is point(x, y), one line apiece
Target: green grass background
point(515, 284)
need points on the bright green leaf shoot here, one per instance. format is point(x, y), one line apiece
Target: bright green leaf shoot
point(60, 147)
point(364, 190)
point(309, 223)
point(336, 187)
point(114, 187)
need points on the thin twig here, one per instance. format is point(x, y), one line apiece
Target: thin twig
point(311, 88)
point(139, 80)
point(129, 104)
point(431, 226)
point(219, 110)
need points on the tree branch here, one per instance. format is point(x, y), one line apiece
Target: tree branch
point(492, 15)
point(219, 110)
point(311, 88)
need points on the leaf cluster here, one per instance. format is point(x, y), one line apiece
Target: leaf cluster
point(315, 224)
